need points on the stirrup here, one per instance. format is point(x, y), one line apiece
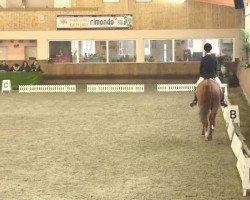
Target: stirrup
point(194, 103)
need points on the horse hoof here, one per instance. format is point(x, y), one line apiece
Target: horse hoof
point(208, 138)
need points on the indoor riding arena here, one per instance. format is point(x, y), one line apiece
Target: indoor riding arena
point(112, 146)
point(98, 100)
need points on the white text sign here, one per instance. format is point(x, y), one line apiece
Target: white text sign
point(74, 22)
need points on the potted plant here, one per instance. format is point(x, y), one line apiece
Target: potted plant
point(245, 44)
point(221, 62)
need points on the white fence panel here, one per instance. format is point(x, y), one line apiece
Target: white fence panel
point(236, 145)
point(230, 130)
point(46, 88)
point(175, 87)
point(115, 88)
point(243, 166)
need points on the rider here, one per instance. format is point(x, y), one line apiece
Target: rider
point(208, 69)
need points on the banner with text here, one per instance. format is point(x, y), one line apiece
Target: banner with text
point(74, 22)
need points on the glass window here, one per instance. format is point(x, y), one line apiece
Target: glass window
point(196, 49)
point(158, 50)
point(226, 48)
point(92, 51)
point(61, 51)
point(122, 51)
point(188, 50)
point(222, 47)
point(76, 51)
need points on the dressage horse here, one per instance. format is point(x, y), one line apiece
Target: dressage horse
point(209, 95)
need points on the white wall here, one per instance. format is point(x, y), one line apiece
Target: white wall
point(3, 3)
point(3, 53)
point(13, 3)
point(30, 52)
point(247, 16)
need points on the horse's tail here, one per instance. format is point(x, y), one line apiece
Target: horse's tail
point(205, 102)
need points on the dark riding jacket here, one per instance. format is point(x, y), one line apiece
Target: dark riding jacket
point(208, 67)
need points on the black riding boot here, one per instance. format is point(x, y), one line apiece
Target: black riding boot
point(223, 103)
point(194, 103)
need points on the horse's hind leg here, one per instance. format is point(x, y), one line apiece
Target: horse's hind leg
point(208, 134)
point(212, 121)
point(203, 130)
point(206, 131)
point(211, 125)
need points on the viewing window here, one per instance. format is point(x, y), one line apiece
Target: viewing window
point(92, 51)
point(158, 50)
point(122, 51)
point(188, 50)
point(76, 51)
point(60, 51)
point(162, 50)
point(222, 47)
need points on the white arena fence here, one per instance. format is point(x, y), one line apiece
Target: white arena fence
point(181, 88)
point(46, 88)
point(238, 145)
point(242, 153)
point(175, 87)
point(115, 88)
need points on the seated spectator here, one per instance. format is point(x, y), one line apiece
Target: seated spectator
point(15, 68)
point(4, 66)
point(35, 67)
point(25, 67)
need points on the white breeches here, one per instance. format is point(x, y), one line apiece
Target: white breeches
point(216, 79)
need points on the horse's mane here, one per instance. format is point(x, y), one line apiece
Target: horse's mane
point(205, 101)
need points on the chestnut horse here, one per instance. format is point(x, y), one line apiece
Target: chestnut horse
point(209, 95)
